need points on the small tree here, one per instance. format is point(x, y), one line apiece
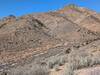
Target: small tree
point(12, 16)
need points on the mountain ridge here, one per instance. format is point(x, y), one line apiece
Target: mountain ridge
point(44, 35)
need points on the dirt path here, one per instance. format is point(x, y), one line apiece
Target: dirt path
point(89, 71)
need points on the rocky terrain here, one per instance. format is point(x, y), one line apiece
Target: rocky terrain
point(62, 42)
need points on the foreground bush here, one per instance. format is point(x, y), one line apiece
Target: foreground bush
point(78, 60)
point(33, 70)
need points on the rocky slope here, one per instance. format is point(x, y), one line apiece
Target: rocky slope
point(31, 38)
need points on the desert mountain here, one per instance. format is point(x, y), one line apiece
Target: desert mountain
point(44, 35)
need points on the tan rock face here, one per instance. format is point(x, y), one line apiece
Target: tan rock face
point(83, 17)
point(21, 36)
point(91, 23)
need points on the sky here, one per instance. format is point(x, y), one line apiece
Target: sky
point(22, 7)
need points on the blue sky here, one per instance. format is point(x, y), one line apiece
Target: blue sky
point(22, 7)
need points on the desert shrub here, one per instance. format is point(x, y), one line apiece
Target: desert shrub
point(39, 70)
point(95, 58)
point(53, 61)
point(50, 65)
point(77, 60)
point(56, 60)
point(63, 60)
point(68, 70)
point(33, 70)
point(3, 73)
point(56, 68)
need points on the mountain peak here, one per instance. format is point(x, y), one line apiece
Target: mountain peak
point(72, 6)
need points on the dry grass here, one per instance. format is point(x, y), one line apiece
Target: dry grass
point(32, 70)
point(77, 60)
point(56, 60)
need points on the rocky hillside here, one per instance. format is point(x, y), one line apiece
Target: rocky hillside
point(68, 35)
